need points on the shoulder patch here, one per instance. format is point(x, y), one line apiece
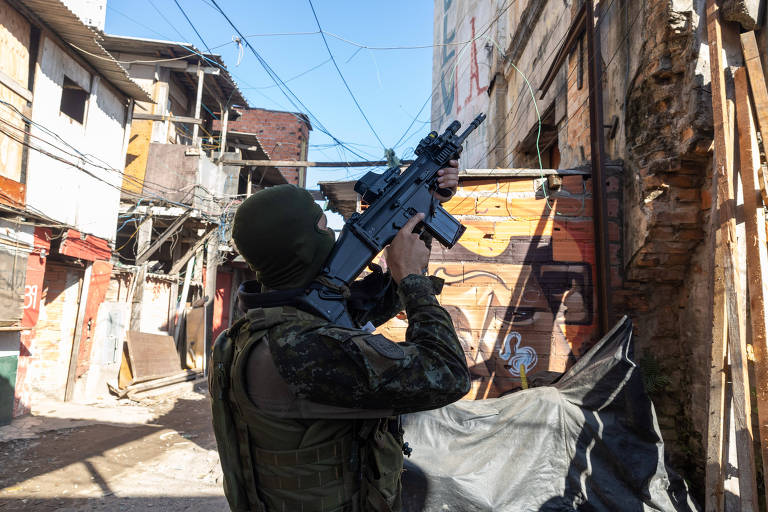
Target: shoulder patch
point(383, 346)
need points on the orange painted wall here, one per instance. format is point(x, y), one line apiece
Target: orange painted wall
point(519, 284)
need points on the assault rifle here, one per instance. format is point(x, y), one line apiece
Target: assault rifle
point(393, 198)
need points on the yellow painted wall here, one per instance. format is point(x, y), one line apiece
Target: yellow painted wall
point(14, 61)
point(136, 156)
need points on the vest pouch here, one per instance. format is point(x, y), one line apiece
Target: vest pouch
point(224, 427)
point(385, 467)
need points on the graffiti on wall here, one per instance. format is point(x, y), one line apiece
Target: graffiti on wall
point(460, 71)
point(519, 284)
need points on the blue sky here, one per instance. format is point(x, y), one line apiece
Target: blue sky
point(391, 85)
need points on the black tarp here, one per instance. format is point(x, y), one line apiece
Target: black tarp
point(589, 442)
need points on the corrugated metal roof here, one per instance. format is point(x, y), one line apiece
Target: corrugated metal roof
point(85, 41)
point(341, 195)
point(158, 49)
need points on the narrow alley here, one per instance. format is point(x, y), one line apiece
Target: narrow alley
point(158, 455)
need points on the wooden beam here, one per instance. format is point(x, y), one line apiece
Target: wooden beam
point(69, 387)
point(521, 173)
point(170, 230)
point(757, 253)
point(736, 326)
point(181, 306)
point(193, 250)
point(759, 96)
point(173, 119)
point(756, 81)
point(211, 273)
point(597, 154)
point(15, 86)
point(715, 445)
point(198, 102)
point(223, 138)
point(301, 163)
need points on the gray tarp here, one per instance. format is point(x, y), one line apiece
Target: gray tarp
point(589, 442)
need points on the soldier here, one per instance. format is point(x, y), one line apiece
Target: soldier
point(305, 412)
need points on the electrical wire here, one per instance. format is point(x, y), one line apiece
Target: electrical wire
point(287, 92)
point(326, 61)
point(166, 19)
point(344, 80)
point(192, 25)
point(276, 79)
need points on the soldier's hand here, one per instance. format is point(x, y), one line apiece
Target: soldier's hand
point(407, 254)
point(448, 178)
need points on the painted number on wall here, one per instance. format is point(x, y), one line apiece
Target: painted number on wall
point(30, 296)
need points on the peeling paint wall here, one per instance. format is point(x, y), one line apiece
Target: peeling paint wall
point(53, 185)
point(460, 72)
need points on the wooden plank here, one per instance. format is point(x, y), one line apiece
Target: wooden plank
point(715, 440)
point(69, 388)
point(17, 87)
point(756, 80)
point(759, 96)
point(192, 251)
point(757, 254)
point(521, 173)
point(303, 163)
point(160, 117)
point(170, 230)
point(723, 161)
point(151, 356)
point(198, 101)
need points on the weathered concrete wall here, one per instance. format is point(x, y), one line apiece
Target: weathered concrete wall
point(655, 93)
point(171, 172)
point(535, 31)
point(52, 186)
point(746, 12)
point(460, 73)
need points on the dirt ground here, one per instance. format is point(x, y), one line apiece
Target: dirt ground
point(166, 462)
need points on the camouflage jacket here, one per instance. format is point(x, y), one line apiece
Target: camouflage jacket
point(359, 370)
point(314, 385)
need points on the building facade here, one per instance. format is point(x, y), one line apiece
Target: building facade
point(527, 65)
point(65, 109)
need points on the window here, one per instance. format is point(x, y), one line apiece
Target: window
point(73, 98)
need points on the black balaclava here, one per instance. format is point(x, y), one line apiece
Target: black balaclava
point(276, 231)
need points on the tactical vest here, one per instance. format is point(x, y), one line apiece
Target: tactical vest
point(356, 467)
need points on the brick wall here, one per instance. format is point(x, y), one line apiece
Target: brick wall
point(668, 135)
point(520, 282)
point(50, 345)
point(283, 135)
